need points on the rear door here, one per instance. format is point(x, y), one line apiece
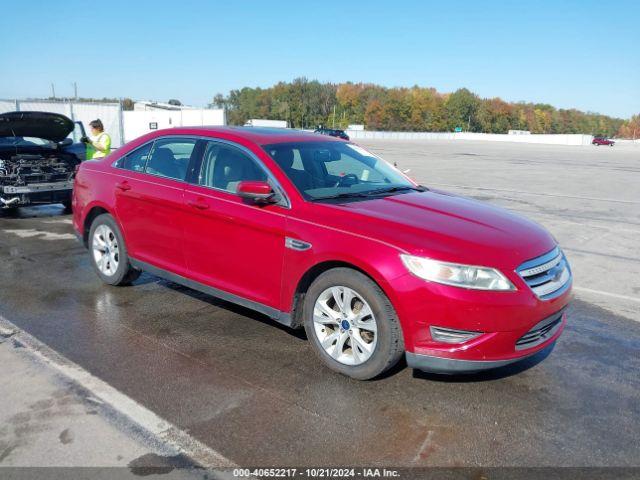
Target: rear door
point(150, 201)
point(230, 243)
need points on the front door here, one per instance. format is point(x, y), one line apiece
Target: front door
point(230, 243)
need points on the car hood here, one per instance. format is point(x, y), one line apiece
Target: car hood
point(46, 125)
point(448, 227)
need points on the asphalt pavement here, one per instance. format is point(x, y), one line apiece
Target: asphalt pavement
point(254, 392)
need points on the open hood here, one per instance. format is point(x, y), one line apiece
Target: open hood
point(46, 125)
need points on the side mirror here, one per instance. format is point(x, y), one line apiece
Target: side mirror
point(66, 142)
point(258, 191)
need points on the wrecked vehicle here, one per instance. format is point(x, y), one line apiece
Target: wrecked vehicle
point(38, 158)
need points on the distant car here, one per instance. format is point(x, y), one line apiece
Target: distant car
point(597, 141)
point(332, 132)
point(37, 158)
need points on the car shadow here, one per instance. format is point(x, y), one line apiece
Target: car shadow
point(298, 333)
point(488, 375)
point(36, 211)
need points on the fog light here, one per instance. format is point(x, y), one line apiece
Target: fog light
point(449, 335)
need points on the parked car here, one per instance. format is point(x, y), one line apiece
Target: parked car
point(332, 132)
point(597, 141)
point(37, 159)
point(319, 233)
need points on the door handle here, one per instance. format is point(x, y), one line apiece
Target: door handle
point(124, 186)
point(200, 205)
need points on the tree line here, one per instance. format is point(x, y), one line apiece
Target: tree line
point(309, 103)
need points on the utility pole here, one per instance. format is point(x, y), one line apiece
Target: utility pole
point(53, 90)
point(469, 123)
point(333, 125)
point(75, 90)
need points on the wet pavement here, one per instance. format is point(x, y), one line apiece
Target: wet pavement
point(253, 390)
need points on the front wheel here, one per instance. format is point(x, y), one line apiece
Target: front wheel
point(109, 253)
point(351, 324)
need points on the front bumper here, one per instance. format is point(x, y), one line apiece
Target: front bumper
point(451, 366)
point(37, 187)
point(35, 193)
point(514, 325)
point(541, 336)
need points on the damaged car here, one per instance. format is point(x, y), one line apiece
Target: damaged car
point(38, 158)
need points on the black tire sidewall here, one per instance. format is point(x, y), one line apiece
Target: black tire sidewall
point(388, 346)
point(123, 263)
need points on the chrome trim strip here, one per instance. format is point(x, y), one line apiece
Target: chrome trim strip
point(541, 331)
point(295, 244)
point(548, 276)
point(552, 286)
point(286, 203)
point(541, 259)
point(450, 335)
point(540, 268)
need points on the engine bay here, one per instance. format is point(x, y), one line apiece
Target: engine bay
point(25, 169)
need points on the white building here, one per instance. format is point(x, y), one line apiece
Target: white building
point(148, 116)
point(145, 106)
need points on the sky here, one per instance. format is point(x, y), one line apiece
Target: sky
point(571, 54)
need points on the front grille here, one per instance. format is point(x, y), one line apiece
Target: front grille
point(549, 275)
point(540, 332)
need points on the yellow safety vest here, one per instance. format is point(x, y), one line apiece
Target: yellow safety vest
point(104, 140)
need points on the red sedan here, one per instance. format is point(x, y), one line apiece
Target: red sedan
point(597, 141)
point(321, 234)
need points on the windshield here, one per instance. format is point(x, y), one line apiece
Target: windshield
point(325, 170)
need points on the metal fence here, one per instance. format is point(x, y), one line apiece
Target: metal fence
point(109, 113)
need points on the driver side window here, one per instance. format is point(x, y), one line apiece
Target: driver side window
point(170, 157)
point(224, 167)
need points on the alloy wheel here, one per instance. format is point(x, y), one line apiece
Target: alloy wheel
point(345, 325)
point(106, 251)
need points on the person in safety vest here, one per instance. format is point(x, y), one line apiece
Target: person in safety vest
point(99, 144)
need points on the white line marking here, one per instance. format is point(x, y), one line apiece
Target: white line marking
point(607, 294)
point(66, 221)
point(160, 428)
point(32, 232)
point(521, 192)
point(423, 448)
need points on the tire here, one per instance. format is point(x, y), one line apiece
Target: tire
point(115, 268)
point(68, 206)
point(382, 348)
point(9, 212)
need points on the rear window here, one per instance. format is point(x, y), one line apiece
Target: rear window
point(136, 160)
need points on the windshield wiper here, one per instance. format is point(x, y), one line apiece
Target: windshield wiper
point(343, 195)
point(382, 191)
point(373, 193)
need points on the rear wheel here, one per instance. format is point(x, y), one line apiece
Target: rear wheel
point(351, 324)
point(108, 252)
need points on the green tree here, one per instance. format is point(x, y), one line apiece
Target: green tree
point(461, 109)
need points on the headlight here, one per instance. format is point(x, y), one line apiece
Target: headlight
point(454, 274)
